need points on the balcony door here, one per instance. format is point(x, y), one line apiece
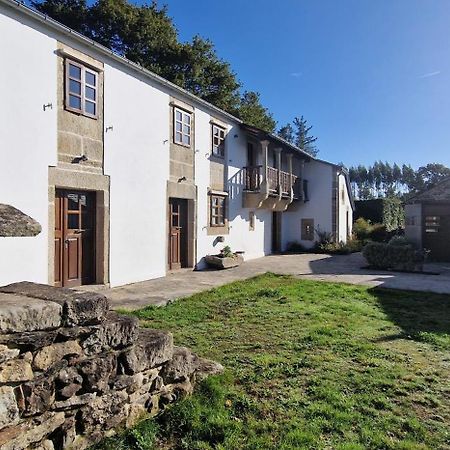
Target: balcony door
point(74, 238)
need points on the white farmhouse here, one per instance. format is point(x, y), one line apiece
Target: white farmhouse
point(130, 176)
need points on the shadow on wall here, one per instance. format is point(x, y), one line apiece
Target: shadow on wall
point(235, 192)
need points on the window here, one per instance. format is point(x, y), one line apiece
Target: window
point(305, 190)
point(217, 210)
point(182, 127)
point(307, 229)
point(81, 89)
point(432, 224)
point(251, 220)
point(218, 141)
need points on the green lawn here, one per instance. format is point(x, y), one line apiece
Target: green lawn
point(309, 365)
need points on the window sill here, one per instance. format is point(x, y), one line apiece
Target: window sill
point(217, 230)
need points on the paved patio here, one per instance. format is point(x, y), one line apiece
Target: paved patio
point(344, 268)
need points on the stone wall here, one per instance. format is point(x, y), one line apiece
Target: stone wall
point(73, 372)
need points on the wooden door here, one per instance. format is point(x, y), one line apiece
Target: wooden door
point(251, 155)
point(276, 232)
point(177, 233)
point(74, 238)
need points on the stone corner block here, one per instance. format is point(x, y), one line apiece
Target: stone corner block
point(78, 307)
point(19, 313)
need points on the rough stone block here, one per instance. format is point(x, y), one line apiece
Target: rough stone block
point(205, 368)
point(182, 365)
point(78, 308)
point(116, 332)
point(76, 401)
point(29, 341)
point(51, 354)
point(30, 432)
point(7, 353)
point(15, 223)
point(9, 411)
point(96, 372)
point(16, 371)
point(19, 313)
point(152, 348)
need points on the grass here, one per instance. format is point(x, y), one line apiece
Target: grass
point(310, 365)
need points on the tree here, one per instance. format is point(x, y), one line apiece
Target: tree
point(72, 13)
point(146, 35)
point(287, 133)
point(252, 112)
point(303, 139)
point(433, 173)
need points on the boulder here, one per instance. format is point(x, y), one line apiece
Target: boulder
point(78, 308)
point(19, 313)
point(9, 411)
point(205, 368)
point(152, 348)
point(15, 223)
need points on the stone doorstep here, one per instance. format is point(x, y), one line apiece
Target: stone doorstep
point(78, 308)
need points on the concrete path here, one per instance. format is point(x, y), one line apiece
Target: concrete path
point(311, 266)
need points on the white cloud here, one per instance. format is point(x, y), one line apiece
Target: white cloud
point(295, 74)
point(430, 74)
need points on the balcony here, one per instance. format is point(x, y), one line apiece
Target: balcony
point(271, 189)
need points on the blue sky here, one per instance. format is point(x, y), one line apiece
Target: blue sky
point(371, 76)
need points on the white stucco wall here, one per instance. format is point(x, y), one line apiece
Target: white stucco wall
point(137, 160)
point(27, 141)
point(254, 243)
point(345, 210)
point(320, 178)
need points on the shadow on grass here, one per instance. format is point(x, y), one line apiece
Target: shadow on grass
point(421, 316)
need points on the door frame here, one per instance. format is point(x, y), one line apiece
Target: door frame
point(66, 236)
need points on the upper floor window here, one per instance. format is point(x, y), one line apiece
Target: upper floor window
point(182, 127)
point(81, 89)
point(218, 141)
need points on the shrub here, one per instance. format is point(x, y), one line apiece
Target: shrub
point(403, 256)
point(379, 233)
point(399, 240)
point(362, 229)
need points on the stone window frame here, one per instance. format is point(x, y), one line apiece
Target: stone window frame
point(307, 230)
point(184, 114)
point(218, 141)
point(221, 212)
point(84, 85)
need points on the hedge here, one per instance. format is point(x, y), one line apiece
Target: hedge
point(387, 211)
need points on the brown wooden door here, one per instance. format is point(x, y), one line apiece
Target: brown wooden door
point(74, 238)
point(177, 233)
